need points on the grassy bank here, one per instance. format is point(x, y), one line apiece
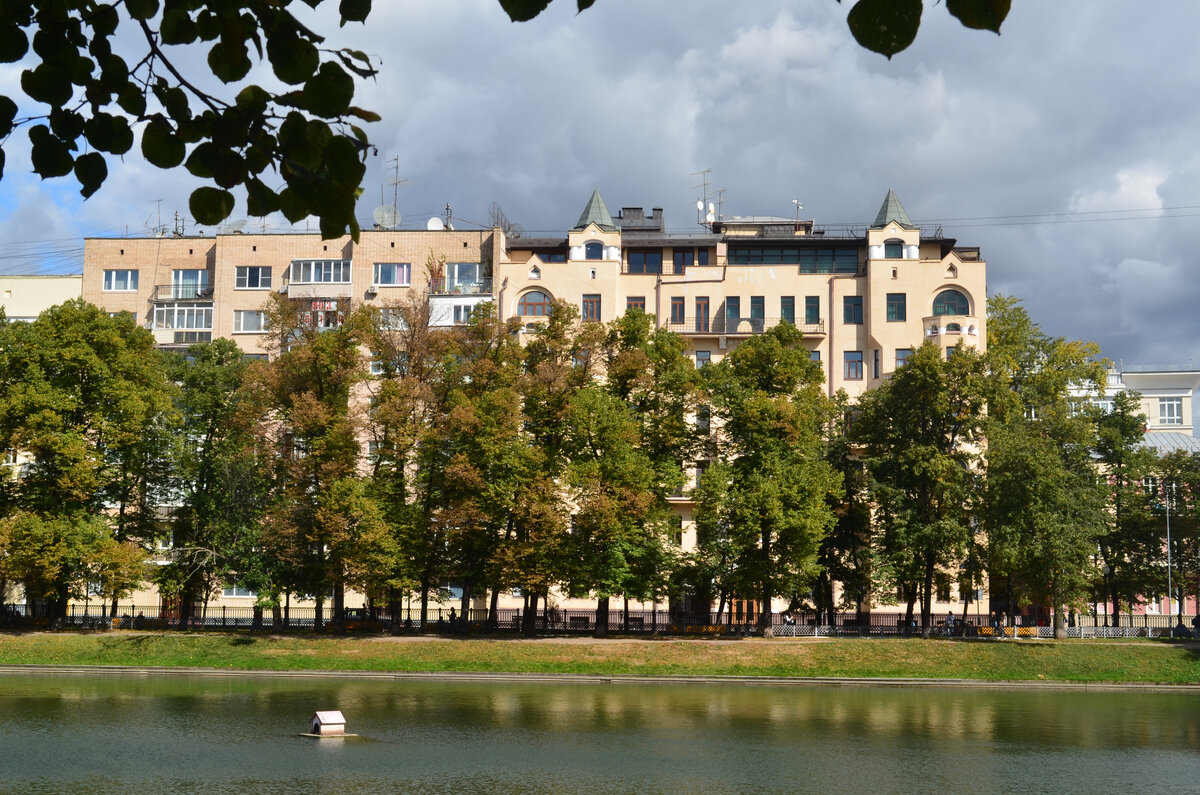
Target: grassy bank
point(1076, 661)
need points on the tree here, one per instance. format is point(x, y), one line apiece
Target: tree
point(1131, 545)
point(1179, 471)
point(83, 397)
point(1042, 509)
point(883, 26)
point(773, 510)
point(920, 430)
point(223, 476)
point(234, 136)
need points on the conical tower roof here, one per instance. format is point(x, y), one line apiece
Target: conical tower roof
point(596, 213)
point(892, 210)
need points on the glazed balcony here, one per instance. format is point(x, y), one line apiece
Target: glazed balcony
point(739, 326)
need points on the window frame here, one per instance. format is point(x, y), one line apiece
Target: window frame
point(239, 324)
point(852, 310)
point(678, 309)
point(398, 268)
point(523, 303)
point(852, 368)
point(940, 304)
point(241, 277)
point(897, 307)
point(109, 280)
point(1174, 416)
point(589, 308)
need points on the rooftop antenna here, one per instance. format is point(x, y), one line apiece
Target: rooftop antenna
point(703, 218)
point(395, 182)
point(449, 216)
point(799, 206)
point(386, 216)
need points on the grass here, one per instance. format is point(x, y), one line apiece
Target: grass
point(1073, 661)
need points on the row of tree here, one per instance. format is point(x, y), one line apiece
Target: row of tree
point(390, 456)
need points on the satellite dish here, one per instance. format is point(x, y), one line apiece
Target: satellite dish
point(710, 217)
point(386, 216)
point(712, 208)
point(435, 224)
point(700, 204)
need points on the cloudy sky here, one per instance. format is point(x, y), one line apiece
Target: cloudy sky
point(1065, 148)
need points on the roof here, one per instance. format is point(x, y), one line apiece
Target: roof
point(892, 210)
point(329, 716)
point(1170, 441)
point(596, 213)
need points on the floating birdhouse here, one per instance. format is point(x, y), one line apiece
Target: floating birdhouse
point(328, 723)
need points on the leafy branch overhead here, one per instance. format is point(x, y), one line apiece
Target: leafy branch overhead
point(308, 133)
point(299, 150)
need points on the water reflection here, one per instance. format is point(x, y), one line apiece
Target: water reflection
point(167, 734)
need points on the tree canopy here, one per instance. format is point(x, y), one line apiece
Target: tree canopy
point(299, 149)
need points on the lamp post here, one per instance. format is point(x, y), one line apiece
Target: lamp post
point(1167, 493)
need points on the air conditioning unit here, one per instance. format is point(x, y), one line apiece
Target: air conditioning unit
point(373, 289)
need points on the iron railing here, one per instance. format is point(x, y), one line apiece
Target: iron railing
point(722, 324)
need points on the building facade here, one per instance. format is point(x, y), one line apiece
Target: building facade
point(26, 297)
point(863, 298)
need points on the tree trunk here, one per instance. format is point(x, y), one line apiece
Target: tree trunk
point(394, 608)
point(625, 616)
point(185, 609)
point(256, 623)
point(319, 614)
point(528, 625)
point(601, 617)
point(493, 606)
point(464, 606)
point(424, 603)
point(276, 617)
point(339, 608)
point(927, 599)
point(1060, 623)
point(1116, 609)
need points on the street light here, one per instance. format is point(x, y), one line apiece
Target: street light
point(1167, 505)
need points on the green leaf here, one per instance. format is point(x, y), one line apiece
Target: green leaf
point(354, 10)
point(132, 100)
point(294, 60)
point(229, 60)
point(66, 124)
point(292, 206)
point(253, 97)
point(141, 9)
point(91, 171)
point(329, 92)
point(1, 162)
point(13, 43)
point(980, 14)
point(51, 157)
point(177, 27)
point(362, 113)
point(584, 5)
point(210, 205)
point(885, 26)
point(49, 83)
point(103, 20)
point(108, 133)
point(260, 200)
point(8, 112)
point(523, 10)
point(161, 146)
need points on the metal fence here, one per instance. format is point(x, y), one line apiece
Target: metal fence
point(554, 620)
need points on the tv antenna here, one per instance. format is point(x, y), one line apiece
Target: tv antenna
point(395, 182)
point(799, 206)
point(706, 209)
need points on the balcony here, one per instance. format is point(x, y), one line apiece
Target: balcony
point(181, 292)
point(951, 326)
point(739, 326)
point(316, 290)
point(449, 286)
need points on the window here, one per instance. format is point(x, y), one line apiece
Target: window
point(733, 308)
point(814, 356)
point(758, 308)
point(1170, 411)
point(703, 419)
point(951, 302)
point(702, 256)
point(1105, 405)
point(812, 309)
point(902, 356)
point(637, 302)
point(391, 274)
point(372, 451)
point(535, 273)
point(534, 304)
point(897, 311)
point(593, 251)
point(591, 308)
point(121, 281)
point(648, 260)
point(552, 256)
point(893, 249)
point(462, 314)
point(787, 308)
point(464, 276)
point(809, 260)
point(854, 366)
point(875, 363)
point(852, 309)
point(399, 364)
point(677, 309)
point(320, 271)
point(252, 278)
point(703, 358)
point(248, 321)
point(239, 592)
point(189, 283)
point(702, 313)
point(684, 258)
point(677, 532)
point(953, 328)
point(183, 316)
point(110, 314)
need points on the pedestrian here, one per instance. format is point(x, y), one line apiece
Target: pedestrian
point(1004, 624)
point(949, 622)
point(1196, 626)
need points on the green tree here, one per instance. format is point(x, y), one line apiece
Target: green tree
point(84, 398)
point(774, 507)
point(920, 431)
point(1179, 472)
point(1132, 544)
point(1042, 509)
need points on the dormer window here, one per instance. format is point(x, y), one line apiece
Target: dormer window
point(893, 249)
point(593, 251)
point(535, 273)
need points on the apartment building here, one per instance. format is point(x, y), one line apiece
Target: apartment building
point(26, 297)
point(863, 298)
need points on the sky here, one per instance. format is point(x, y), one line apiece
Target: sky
point(1064, 148)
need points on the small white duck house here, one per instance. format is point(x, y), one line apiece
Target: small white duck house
point(328, 723)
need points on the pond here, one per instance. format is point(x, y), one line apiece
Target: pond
point(188, 734)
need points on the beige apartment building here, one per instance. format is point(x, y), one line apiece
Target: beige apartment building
point(26, 297)
point(863, 298)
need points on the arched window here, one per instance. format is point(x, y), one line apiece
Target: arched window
point(953, 328)
point(534, 304)
point(951, 302)
point(893, 249)
point(593, 251)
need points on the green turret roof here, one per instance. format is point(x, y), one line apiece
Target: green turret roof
point(892, 210)
point(596, 213)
